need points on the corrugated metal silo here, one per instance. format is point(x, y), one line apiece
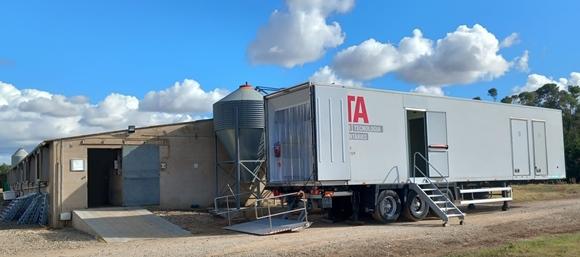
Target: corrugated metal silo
point(18, 156)
point(239, 127)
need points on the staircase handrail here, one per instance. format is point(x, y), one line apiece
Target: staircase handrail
point(427, 178)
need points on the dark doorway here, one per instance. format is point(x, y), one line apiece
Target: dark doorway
point(417, 133)
point(102, 166)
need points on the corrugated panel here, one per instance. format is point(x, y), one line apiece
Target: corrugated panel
point(250, 114)
point(141, 175)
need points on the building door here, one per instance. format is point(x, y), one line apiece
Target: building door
point(437, 144)
point(540, 152)
point(141, 175)
point(100, 169)
point(520, 147)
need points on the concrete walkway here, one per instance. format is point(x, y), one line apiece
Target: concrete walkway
point(123, 224)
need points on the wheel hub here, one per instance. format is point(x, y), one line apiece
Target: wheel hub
point(388, 205)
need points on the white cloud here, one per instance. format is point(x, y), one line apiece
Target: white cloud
point(574, 79)
point(464, 56)
point(326, 75)
point(54, 105)
point(512, 39)
point(521, 62)
point(429, 90)
point(300, 34)
point(372, 59)
point(536, 81)
point(29, 116)
point(187, 96)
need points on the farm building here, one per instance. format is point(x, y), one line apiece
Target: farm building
point(171, 166)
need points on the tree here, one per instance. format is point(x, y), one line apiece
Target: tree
point(550, 96)
point(493, 93)
point(477, 98)
point(4, 168)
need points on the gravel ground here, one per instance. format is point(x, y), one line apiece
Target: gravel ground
point(485, 226)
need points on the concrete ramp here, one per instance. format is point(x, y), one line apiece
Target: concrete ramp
point(122, 224)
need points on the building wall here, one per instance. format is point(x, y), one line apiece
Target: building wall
point(187, 150)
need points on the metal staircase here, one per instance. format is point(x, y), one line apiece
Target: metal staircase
point(437, 198)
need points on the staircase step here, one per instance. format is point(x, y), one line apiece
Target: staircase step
point(435, 195)
point(429, 189)
point(439, 202)
point(455, 215)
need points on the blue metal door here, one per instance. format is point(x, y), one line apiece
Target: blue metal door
point(141, 175)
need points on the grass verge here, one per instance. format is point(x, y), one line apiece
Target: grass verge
point(537, 192)
point(563, 245)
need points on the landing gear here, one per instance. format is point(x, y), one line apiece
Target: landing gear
point(387, 207)
point(505, 206)
point(415, 208)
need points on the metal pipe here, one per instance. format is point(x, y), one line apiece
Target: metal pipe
point(216, 168)
point(238, 171)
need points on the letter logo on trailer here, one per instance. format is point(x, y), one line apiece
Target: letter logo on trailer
point(358, 119)
point(360, 109)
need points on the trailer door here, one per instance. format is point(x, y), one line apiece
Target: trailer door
point(437, 144)
point(540, 153)
point(520, 154)
point(332, 134)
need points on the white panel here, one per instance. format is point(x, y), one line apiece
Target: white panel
point(437, 143)
point(540, 153)
point(520, 147)
point(332, 137)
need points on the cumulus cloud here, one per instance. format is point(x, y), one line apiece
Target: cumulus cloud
point(29, 116)
point(521, 62)
point(326, 75)
point(186, 96)
point(429, 90)
point(299, 34)
point(372, 59)
point(54, 105)
point(536, 81)
point(464, 56)
point(512, 39)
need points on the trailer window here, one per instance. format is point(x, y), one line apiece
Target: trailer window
point(292, 144)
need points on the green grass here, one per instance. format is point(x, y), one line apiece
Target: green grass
point(554, 245)
point(537, 192)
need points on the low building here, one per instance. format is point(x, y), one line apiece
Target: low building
point(171, 166)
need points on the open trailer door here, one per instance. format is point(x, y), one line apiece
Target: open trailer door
point(437, 147)
point(333, 154)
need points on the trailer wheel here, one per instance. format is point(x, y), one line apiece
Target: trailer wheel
point(388, 207)
point(415, 208)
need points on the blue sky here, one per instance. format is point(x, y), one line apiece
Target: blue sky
point(77, 48)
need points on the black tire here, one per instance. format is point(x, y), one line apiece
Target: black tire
point(388, 207)
point(415, 209)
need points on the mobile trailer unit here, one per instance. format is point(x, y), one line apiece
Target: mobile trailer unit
point(394, 152)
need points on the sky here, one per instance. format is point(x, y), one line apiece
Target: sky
point(74, 67)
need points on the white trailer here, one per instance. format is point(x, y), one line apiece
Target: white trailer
point(395, 152)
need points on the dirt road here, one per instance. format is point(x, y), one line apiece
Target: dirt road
point(484, 227)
